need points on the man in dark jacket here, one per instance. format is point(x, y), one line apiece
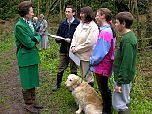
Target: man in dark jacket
point(66, 30)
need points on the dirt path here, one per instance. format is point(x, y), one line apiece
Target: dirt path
point(11, 100)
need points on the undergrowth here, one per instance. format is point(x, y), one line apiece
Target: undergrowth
point(62, 102)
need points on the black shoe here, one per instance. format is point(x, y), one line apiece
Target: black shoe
point(124, 112)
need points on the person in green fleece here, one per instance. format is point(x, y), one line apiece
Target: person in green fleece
point(125, 63)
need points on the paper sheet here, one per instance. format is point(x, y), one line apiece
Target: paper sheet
point(74, 57)
point(55, 36)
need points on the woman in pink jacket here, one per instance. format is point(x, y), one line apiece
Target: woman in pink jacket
point(102, 57)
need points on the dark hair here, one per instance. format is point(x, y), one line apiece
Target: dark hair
point(108, 17)
point(106, 12)
point(88, 13)
point(72, 7)
point(126, 17)
point(23, 8)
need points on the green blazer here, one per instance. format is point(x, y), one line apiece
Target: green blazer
point(27, 52)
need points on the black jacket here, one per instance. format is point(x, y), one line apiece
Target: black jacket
point(66, 30)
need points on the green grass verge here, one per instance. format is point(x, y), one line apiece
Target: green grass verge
point(5, 52)
point(6, 57)
point(62, 102)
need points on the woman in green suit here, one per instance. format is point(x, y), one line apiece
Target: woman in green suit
point(27, 55)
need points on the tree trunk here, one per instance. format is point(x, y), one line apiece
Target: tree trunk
point(38, 7)
point(134, 10)
point(149, 19)
point(149, 22)
point(53, 5)
point(60, 10)
point(47, 8)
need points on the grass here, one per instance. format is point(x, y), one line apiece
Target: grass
point(62, 102)
point(6, 65)
point(6, 47)
point(6, 44)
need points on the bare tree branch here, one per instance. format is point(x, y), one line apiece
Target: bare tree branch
point(54, 4)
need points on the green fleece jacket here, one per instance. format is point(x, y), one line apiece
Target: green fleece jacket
point(125, 60)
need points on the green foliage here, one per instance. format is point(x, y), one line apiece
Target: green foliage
point(50, 54)
point(8, 8)
point(5, 47)
point(62, 101)
point(110, 5)
point(142, 5)
point(7, 43)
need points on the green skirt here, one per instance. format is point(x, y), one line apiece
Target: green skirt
point(29, 76)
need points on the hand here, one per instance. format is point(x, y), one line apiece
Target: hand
point(73, 49)
point(117, 89)
point(68, 40)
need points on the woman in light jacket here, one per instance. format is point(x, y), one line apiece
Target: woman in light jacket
point(84, 40)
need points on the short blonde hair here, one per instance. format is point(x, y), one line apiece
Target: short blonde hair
point(41, 16)
point(35, 18)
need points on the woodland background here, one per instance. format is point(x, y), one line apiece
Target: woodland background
point(54, 13)
point(62, 102)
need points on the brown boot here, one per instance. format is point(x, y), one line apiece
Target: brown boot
point(35, 104)
point(31, 109)
point(28, 102)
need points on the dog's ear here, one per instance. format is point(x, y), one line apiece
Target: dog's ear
point(78, 80)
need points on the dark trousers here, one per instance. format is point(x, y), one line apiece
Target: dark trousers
point(63, 64)
point(102, 82)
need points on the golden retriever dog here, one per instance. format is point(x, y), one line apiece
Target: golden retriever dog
point(86, 97)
